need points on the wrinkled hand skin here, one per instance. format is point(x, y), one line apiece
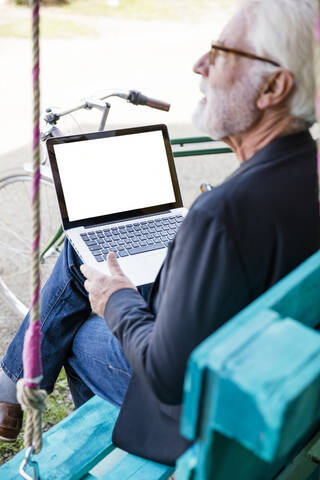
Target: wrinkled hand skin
point(100, 286)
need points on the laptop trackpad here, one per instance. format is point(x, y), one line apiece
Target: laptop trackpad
point(142, 268)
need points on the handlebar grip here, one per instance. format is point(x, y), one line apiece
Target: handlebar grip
point(137, 98)
point(153, 103)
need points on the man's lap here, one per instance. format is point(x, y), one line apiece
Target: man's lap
point(98, 359)
point(83, 343)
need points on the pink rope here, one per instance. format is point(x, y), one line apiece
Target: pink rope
point(35, 243)
point(36, 136)
point(36, 297)
point(35, 12)
point(31, 398)
point(36, 179)
point(36, 140)
point(36, 70)
point(317, 103)
point(32, 364)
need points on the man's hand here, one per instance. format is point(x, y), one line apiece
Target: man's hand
point(100, 286)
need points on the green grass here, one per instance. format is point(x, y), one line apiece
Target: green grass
point(142, 9)
point(59, 405)
point(50, 28)
point(76, 17)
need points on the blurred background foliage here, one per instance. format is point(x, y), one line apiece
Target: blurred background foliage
point(67, 18)
point(142, 9)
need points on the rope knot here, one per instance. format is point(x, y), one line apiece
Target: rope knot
point(33, 401)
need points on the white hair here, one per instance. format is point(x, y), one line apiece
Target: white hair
point(282, 30)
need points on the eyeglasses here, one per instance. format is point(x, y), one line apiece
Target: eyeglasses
point(216, 48)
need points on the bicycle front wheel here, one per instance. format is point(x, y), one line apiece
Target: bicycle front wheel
point(16, 236)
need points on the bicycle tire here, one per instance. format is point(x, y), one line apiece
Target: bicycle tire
point(16, 236)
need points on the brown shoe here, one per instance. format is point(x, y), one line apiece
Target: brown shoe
point(10, 421)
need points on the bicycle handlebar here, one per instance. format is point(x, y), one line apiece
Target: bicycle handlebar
point(138, 99)
point(153, 103)
point(133, 96)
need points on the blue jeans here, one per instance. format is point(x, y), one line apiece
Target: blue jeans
point(74, 338)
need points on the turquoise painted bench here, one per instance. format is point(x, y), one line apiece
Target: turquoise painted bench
point(252, 389)
point(251, 402)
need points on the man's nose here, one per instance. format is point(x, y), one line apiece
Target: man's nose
point(202, 65)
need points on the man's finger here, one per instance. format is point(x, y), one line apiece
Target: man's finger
point(87, 285)
point(88, 271)
point(113, 264)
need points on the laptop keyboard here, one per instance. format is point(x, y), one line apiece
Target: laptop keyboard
point(132, 239)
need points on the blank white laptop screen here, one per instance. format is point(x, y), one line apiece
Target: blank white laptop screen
point(114, 174)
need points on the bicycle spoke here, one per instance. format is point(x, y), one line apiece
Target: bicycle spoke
point(7, 229)
point(13, 275)
point(15, 250)
point(15, 236)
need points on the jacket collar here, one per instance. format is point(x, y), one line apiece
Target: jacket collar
point(277, 149)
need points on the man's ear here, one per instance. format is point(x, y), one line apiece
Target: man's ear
point(276, 89)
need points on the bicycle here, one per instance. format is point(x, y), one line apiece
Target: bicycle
point(15, 205)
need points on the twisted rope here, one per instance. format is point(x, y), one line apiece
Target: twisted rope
point(35, 276)
point(32, 399)
point(33, 402)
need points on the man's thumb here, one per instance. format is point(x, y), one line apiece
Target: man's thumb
point(113, 264)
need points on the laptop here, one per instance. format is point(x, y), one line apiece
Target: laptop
point(118, 191)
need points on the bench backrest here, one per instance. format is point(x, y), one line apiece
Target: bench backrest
point(252, 389)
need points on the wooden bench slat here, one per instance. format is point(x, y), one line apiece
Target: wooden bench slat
point(133, 467)
point(72, 447)
point(186, 464)
point(106, 464)
point(78, 443)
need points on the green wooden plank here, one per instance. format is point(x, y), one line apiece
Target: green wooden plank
point(72, 447)
point(185, 140)
point(302, 466)
point(133, 467)
point(315, 475)
point(314, 452)
point(205, 151)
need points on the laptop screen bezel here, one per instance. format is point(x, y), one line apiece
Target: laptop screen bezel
point(115, 217)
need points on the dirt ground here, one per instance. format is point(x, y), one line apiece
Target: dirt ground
point(154, 57)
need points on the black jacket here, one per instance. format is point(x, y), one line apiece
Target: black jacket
point(236, 242)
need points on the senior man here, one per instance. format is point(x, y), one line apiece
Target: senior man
point(237, 241)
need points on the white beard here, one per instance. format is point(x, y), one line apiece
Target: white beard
point(228, 111)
